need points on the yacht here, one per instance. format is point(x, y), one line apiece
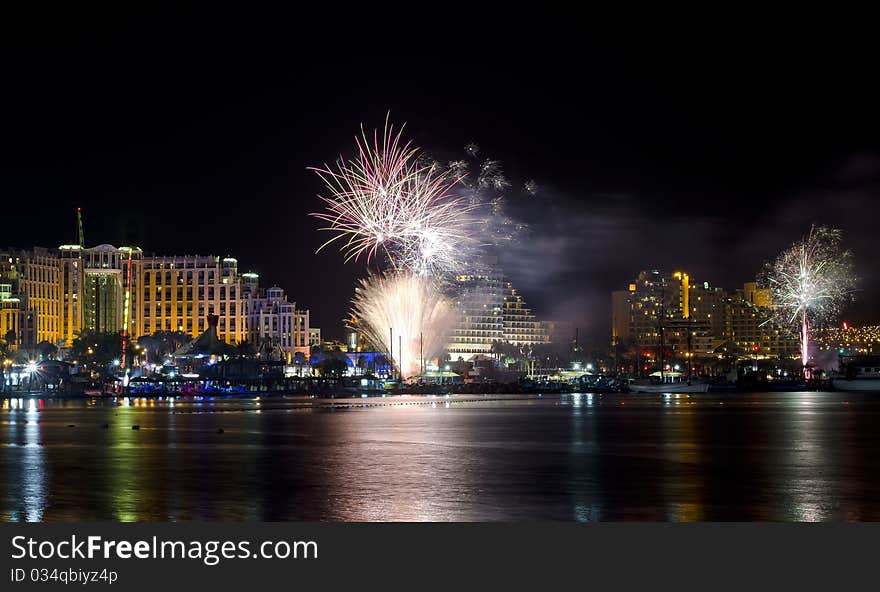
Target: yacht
point(861, 374)
point(669, 382)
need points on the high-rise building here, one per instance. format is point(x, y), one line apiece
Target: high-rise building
point(178, 292)
point(98, 290)
point(55, 295)
point(30, 279)
point(518, 321)
point(753, 294)
point(480, 305)
point(696, 317)
point(490, 311)
point(276, 325)
point(637, 312)
point(748, 326)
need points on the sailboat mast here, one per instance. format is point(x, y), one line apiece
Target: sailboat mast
point(662, 314)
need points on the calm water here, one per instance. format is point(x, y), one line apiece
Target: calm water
point(771, 456)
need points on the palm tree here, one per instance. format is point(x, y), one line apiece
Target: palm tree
point(46, 350)
point(497, 349)
point(9, 339)
point(245, 349)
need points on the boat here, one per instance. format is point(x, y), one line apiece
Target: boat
point(669, 382)
point(860, 375)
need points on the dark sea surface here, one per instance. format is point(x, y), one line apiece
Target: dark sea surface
point(732, 456)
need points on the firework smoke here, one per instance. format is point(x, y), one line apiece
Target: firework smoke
point(810, 282)
point(483, 185)
point(409, 306)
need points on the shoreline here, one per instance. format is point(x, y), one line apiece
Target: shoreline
point(376, 400)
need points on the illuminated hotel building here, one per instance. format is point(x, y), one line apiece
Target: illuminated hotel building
point(696, 317)
point(54, 295)
point(636, 313)
point(93, 284)
point(29, 289)
point(491, 311)
point(480, 304)
point(747, 327)
point(519, 324)
point(275, 325)
point(180, 291)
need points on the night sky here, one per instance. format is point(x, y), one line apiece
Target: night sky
point(643, 160)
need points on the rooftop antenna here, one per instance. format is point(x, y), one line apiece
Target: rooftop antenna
point(79, 227)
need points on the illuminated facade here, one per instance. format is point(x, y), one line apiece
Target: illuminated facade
point(93, 286)
point(179, 292)
point(747, 326)
point(30, 287)
point(636, 313)
point(696, 317)
point(54, 295)
point(519, 324)
point(275, 326)
point(480, 303)
point(491, 311)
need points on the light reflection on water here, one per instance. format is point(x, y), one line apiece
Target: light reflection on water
point(584, 457)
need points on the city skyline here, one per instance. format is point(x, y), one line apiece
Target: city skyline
point(55, 318)
point(634, 170)
point(58, 295)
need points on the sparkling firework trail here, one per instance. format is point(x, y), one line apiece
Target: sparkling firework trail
point(413, 308)
point(484, 191)
point(418, 220)
point(810, 282)
point(391, 201)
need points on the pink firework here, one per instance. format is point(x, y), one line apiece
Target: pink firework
point(388, 199)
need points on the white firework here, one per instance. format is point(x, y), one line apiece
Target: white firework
point(810, 282)
point(406, 315)
point(391, 201)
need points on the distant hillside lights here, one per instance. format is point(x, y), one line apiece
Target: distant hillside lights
point(850, 341)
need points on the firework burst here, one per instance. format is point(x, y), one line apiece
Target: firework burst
point(810, 282)
point(404, 313)
point(483, 184)
point(390, 200)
